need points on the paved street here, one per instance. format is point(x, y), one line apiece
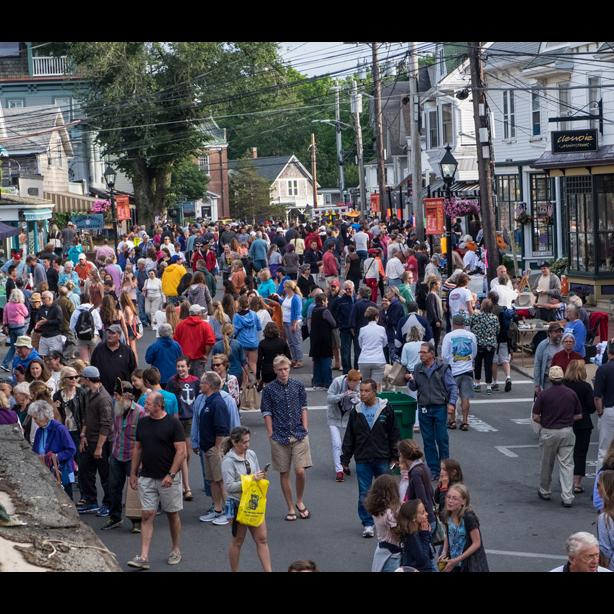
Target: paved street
point(500, 460)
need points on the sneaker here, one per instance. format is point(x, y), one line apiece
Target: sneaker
point(220, 520)
point(477, 387)
point(368, 531)
point(136, 528)
point(566, 503)
point(88, 508)
point(210, 516)
point(103, 512)
point(81, 502)
point(495, 386)
point(416, 428)
point(5, 368)
point(488, 389)
point(542, 496)
point(111, 524)
point(138, 562)
point(340, 476)
point(174, 558)
point(347, 471)
point(508, 384)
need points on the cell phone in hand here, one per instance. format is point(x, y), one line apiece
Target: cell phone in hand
point(266, 467)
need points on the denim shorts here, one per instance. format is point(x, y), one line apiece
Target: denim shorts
point(464, 381)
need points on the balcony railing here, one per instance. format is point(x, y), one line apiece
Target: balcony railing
point(50, 66)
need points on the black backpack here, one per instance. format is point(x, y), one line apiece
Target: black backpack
point(421, 294)
point(85, 325)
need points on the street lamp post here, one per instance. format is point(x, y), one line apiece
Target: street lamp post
point(109, 177)
point(448, 166)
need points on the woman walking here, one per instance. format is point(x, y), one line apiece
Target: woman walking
point(232, 351)
point(290, 262)
point(372, 340)
point(132, 320)
point(240, 460)
point(292, 309)
point(576, 379)
point(13, 319)
point(110, 314)
point(353, 270)
point(485, 326)
point(37, 372)
point(152, 289)
point(247, 325)
point(434, 310)
point(321, 342)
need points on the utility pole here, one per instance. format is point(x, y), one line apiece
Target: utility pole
point(357, 110)
point(314, 170)
point(379, 135)
point(416, 150)
point(485, 155)
point(339, 142)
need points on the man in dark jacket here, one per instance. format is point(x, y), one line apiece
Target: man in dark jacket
point(371, 437)
point(342, 312)
point(357, 316)
point(433, 380)
point(115, 360)
point(391, 314)
point(50, 320)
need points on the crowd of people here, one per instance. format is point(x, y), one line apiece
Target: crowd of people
point(367, 296)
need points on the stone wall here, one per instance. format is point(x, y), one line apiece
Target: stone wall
point(52, 537)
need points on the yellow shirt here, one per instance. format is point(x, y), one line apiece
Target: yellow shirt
point(171, 277)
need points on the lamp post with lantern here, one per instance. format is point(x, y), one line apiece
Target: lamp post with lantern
point(448, 166)
point(109, 178)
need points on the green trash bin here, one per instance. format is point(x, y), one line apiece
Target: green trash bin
point(404, 408)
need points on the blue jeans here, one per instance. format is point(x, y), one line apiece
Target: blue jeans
point(363, 254)
point(434, 430)
point(366, 473)
point(322, 372)
point(346, 350)
point(295, 342)
point(13, 334)
point(140, 300)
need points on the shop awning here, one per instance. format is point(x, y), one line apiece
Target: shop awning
point(604, 156)
point(66, 202)
point(7, 231)
point(457, 186)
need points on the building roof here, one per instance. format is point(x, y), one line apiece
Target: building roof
point(215, 134)
point(35, 127)
point(554, 58)
point(504, 53)
point(270, 168)
point(603, 156)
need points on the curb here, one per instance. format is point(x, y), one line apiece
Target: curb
point(521, 371)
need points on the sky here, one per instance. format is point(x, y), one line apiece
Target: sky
point(314, 59)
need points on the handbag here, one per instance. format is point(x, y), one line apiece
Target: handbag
point(439, 532)
point(250, 398)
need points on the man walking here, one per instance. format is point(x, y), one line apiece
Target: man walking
point(94, 444)
point(371, 437)
point(114, 360)
point(555, 410)
point(436, 387)
point(196, 338)
point(459, 349)
point(284, 409)
point(213, 426)
point(604, 402)
point(544, 354)
point(342, 313)
point(330, 266)
point(50, 320)
point(126, 416)
point(159, 451)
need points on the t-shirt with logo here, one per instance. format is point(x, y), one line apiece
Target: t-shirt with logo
point(457, 300)
point(186, 391)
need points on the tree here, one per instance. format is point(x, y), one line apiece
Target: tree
point(146, 102)
point(250, 194)
point(188, 182)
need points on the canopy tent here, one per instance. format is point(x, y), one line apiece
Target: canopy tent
point(7, 231)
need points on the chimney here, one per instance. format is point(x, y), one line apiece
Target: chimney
point(254, 153)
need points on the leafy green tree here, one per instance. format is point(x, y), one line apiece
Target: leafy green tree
point(146, 101)
point(188, 182)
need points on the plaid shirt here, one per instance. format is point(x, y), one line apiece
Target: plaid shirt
point(285, 405)
point(124, 433)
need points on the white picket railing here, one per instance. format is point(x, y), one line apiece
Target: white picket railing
point(49, 66)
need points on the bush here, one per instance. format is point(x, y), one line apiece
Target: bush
point(559, 267)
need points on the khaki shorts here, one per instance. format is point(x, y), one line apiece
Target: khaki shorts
point(187, 427)
point(503, 355)
point(151, 493)
point(213, 464)
point(297, 453)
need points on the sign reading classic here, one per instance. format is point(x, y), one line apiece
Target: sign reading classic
point(574, 141)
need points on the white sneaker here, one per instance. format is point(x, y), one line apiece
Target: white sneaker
point(220, 520)
point(209, 516)
point(368, 531)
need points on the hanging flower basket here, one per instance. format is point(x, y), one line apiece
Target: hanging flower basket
point(459, 207)
point(524, 218)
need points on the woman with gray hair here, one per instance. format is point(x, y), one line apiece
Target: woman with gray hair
point(14, 316)
point(53, 444)
point(567, 354)
point(582, 554)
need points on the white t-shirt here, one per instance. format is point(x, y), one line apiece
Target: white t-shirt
point(506, 295)
point(286, 308)
point(394, 269)
point(265, 317)
point(361, 240)
point(471, 261)
point(153, 287)
point(457, 300)
point(371, 268)
point(458, 349)
point(372, 340)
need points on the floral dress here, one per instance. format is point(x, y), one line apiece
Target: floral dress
point(485, 327)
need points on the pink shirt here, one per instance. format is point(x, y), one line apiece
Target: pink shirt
point(14, 314)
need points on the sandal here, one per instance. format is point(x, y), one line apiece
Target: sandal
point(452, 424)
point(578, 489)
point(464, 426)
point(290, 517)
point(304, 513)
point(187, 495)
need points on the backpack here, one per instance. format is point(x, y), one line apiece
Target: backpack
point(84, 328)
point(421, 294)
point(509, 328)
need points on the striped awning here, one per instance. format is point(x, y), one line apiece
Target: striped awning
point(70, 203)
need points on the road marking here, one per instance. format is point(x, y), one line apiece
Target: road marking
point(530, 555)
point(480, 425)
point(522, 420)
point(495, 401)
point(506, 451)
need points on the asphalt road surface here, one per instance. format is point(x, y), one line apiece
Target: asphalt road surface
point(500, 460)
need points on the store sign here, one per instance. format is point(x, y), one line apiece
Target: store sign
point(122, 204)
point(435, 216)
point(93, 221)
point(189, 208)
point(574, 141)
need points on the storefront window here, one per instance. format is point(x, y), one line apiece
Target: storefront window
point(508, 196)
point(543, 212)
point(579, 207)
point(604, 189)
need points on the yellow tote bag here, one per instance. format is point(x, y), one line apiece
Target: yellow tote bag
point(252, 506)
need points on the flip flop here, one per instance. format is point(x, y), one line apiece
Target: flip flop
point(187, 495)
point(304, 513)
point(452, 425)
point(290, 517)
point(464, 426)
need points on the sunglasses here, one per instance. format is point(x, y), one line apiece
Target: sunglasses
point(72, 377)
point(217, 364)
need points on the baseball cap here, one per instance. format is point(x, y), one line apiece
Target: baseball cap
point(174, 258)
point(459, 318)
point(23, 342)
point(82, 256)
point(554, 326)
point(555, 373)
point(195, 309)
point(115, 328)
point(17, 256)
point(91, 373)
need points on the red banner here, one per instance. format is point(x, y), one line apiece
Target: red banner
point(435, 216)
point(123, 207)
point(375, 203)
